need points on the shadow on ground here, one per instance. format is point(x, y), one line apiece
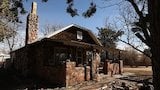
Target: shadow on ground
point(10, 80)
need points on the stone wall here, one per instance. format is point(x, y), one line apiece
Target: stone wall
point(75, 75)
point(95, 66)
point(65, 75)
point(113, 68)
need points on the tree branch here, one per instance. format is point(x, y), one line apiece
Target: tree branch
point(135, 6)
point(142, 39)
point(142, 22)
point(134, 47)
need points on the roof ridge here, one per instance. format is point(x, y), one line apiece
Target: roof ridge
point(58, 31)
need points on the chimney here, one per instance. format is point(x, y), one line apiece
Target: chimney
point(34, 8)
point(32, 25)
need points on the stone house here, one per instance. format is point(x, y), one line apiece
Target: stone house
point(65, 57)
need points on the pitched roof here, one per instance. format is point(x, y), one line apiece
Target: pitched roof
point(63, 29)
point(77, 26)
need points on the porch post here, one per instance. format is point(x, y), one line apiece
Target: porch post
point(95, 65)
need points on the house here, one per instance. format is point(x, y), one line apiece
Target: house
point(65, 57)
point(3, 59)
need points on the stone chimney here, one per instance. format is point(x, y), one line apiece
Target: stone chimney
point(32, 25)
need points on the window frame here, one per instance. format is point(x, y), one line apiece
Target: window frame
point(79, 35)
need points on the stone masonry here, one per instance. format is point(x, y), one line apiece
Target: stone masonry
point(113, 68)
point(32, 25)
point(76, 75)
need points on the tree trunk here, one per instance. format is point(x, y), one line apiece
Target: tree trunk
point(154, 14)
point(156, 73)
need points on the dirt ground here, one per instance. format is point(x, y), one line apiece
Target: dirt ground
point(141, 70)
point(8, 79)
point(132, 74)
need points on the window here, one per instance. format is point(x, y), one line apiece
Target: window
point(60, 55)
point(55, 56)
point(79, 35)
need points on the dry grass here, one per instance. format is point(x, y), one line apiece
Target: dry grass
point(139, 70)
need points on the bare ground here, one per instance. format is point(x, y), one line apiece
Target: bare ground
point(142, 70)
point(7, 80)
point(135, 75)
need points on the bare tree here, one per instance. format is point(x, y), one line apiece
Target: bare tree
point(130, 56)
point(9, 11)
point(9, 22)
point(15, 40)
point(125, 23)
point(48, 28)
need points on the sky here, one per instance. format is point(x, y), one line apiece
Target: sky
point(54, 12)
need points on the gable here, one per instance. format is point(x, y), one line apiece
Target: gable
point(74, 33)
